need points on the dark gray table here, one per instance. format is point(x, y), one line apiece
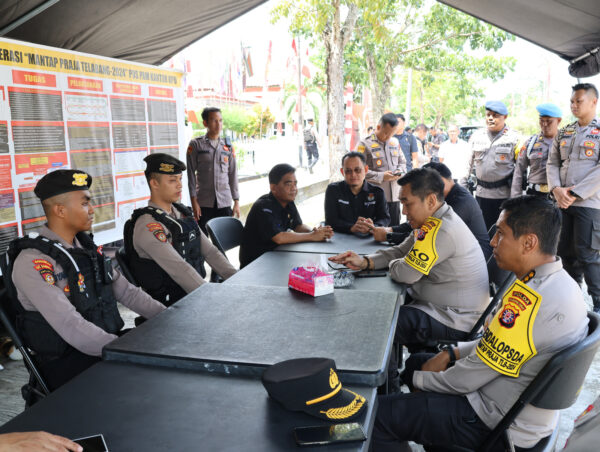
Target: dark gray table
point(273, 268)
point(241, 330)
point(144, 409)
point(339, 243)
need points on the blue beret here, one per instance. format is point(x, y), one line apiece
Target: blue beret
point(497, 106)
point(550, 110)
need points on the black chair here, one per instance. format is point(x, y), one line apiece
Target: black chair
point(225, 232)
point(477, 329)
point(556, 387)
point(122, 261)
point(36, 388)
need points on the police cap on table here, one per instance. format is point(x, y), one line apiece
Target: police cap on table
point(163, 164)
point(62, 181)
point(550, 110)
point(312, 385)
point(496, 106)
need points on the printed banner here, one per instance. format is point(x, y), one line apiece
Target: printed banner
point(63, 109)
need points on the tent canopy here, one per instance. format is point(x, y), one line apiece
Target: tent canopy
point(569, 28)
point(146, 31)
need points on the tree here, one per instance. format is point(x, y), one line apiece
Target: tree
point(428, 37)
point(314, 96)
point(322, 19)
point(236, 119)
point(260, 121)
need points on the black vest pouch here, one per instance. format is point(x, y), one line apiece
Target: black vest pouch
point(40, 337)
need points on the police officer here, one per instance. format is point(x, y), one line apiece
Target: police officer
point(408, 142)
point(353, 205)
point(574, 179)
point(386, 162)
point(493, 157)
point(66, 288)
point(461, 404)
point(311, 144)
point(212, 172)
point(441, 262)
point(165, 247)
point(534, 155)
point(423, 147)
point(274, 219)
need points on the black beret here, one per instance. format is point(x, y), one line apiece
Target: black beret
point(163, 164)
point(312, 385)
point(62, 181)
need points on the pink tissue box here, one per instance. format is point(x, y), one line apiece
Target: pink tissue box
point(310, 280)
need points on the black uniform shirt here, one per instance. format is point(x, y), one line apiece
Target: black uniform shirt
point(342, 207)
point(466, 207)
point(266, 219)
point(408, 144)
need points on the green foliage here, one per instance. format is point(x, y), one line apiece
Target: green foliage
point(260, 121)
point(236, 119)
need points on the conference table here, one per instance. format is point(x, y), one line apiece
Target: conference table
point(339, 243)
point(145, 409)
point(242, 329)
point(273, 268)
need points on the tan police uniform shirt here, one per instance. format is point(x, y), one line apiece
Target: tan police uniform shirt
point(382, 157)
point(149, 244)
point(37, 294)
point(456, 291)
point(212, 173)
point(561, 321)
point(574, 161)
point(533, 155)
point(493, 158)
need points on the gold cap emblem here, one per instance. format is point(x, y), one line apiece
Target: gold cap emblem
point(166, 167)
point(80, 179)
point(333, 379)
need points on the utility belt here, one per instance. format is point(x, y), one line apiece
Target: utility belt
point(542, 188)
point(499, 183)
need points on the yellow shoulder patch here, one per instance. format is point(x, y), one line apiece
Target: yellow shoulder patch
point(361, 148)
point(507, 343)
point(423, 255)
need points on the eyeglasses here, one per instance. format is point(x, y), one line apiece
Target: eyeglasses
point(355, 170)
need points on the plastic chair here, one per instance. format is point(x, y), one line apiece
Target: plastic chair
point(31, 393)
point(556, 387)
point(225, 232)
point(122, 260)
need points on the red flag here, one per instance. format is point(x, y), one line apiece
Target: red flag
point(294, 47)
point(305, 71)
point(190, 91)
point(188, 66)
point(192, 117)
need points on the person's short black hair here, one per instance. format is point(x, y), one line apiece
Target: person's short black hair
point(440, 168)
point(310, 120)
point(400, 116)
point(534, 215)
point(424, 181)
point(390, 119)
point(278, 171)
point(421, 127)
point(370, 128)
point(207, 111)
point(587, 87)
point(352, 154)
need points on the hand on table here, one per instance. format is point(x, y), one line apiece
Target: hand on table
point(321, 233)
point(350, 259)
point(380, 233)
point(362, 225)
point(36, 442)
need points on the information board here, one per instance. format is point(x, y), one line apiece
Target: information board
point(61, 109)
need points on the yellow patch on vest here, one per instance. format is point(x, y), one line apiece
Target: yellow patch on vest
point(507, 343)
point(423, 255)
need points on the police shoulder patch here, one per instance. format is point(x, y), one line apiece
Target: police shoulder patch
point(507, 343)
point(423, 254)
point(46, 270)
point(158, 231)
point(361, 148)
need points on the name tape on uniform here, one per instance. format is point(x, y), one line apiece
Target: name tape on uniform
point(507, 343)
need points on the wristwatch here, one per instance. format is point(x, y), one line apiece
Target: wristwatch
point(389, 236)
point(450, 350)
